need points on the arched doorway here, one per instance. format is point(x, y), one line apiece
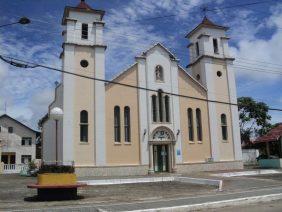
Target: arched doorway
point(161, 150)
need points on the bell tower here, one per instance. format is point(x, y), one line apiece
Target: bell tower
point(212, 66)
point(83, 54)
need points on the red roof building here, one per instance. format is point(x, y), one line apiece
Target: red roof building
point(273, 135)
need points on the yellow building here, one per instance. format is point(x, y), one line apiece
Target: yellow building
point(117, 129)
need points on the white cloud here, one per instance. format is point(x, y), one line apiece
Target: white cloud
point(253, 51)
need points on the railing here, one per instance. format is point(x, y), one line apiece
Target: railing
point(14, 168)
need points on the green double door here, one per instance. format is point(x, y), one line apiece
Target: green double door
point(160, 158)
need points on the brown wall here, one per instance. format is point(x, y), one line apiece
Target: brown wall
point(122, 153)
point(195, 151)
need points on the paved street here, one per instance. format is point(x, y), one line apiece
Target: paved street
point(15, 196)
point(273, 206)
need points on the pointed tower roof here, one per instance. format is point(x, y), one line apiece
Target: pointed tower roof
point(208, 24)
point(81, 7)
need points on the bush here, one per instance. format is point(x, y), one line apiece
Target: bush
point(55, 169)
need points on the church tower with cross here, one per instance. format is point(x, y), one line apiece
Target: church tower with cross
point(212, 65)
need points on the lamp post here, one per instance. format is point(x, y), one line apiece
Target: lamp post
point(56, 114)
point(23, 21)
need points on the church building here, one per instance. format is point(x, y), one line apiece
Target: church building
point(155, 116)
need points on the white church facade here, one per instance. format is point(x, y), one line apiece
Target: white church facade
point(156, 116)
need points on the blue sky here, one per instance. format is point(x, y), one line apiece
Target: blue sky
point(255, 31)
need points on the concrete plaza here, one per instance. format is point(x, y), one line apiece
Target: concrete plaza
point(15, 196)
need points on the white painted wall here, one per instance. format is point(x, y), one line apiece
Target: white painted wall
point(100, 137)
point(12, 142)
point(146, 78)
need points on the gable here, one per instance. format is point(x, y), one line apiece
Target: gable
point(189, 86)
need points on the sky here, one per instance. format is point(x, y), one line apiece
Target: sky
point(255, 32)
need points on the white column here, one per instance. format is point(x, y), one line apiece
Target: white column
point(99, 107)
point(212, 113)
point(143, 113)
point(151, 161)
point(234, 113)
point(68, 104)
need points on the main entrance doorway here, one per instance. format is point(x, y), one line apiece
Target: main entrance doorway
point(160, 158)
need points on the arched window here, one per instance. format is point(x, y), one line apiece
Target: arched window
point(224, 127)
point(117, 123)
point(84, 126)
point(161, 108)
point(154, 108)
point(159, 74)
point(199, 124)
point(127, 124)
point(167, 113)
point(190, 124)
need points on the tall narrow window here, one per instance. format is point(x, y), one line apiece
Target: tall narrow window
point(215, 46)
point(224, 127)
point(167, 113)
point(159, 74)
point(84, 126)
point(127, 124)
point(190, 124)
point(160, 98)
point(84, 31)
point(117, 123)
point(154, 108)
point(199, 124)
point(197, 49)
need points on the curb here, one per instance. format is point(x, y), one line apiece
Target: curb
point(214, 205)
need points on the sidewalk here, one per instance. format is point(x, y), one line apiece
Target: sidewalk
point(200, 202)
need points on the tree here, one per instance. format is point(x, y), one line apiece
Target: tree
point(254, 118)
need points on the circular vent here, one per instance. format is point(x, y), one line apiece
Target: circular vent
point(84, 63)
point(219, 73)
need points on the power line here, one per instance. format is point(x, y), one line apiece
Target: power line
point(124, 84)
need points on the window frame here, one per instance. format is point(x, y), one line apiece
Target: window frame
point(26, 156)
point(167, 108)
point(26, 140)
point(154, 108)
point(84, 31)
point(84, 126)
point(10, 130)
point(197, 48)
point(224, 127)
point(199, 125)
point(127, 125)
point(215, 46)
point(190, 124)
point(117, 134)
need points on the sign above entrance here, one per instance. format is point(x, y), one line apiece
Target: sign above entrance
point(161, 135)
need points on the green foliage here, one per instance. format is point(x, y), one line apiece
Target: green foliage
point(32, 165)
point(254, 118)
point(55, 169)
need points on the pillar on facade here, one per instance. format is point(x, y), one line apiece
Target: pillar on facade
point(173, 158)
point(151, 162)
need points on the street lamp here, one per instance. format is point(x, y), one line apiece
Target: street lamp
point(56, 114)
point(23, 21)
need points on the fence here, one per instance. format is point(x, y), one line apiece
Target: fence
point(249, 156)
point(14, 168)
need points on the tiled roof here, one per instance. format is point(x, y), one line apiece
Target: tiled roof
point(273, 135)
point(83, 5)
point(206, 23)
